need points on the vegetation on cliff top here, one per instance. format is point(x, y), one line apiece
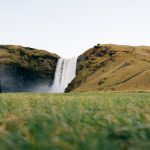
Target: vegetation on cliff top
point(27, 57)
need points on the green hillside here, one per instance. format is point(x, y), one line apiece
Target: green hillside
point(111, 67)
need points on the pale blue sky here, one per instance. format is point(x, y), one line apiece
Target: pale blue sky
point(69, 27)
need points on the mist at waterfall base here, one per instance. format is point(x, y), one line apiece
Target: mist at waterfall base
point(64, 74)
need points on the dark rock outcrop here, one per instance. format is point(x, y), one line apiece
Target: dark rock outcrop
point(0, 88)
point(24, 69)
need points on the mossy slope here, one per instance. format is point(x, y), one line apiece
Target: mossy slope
point(113, 67)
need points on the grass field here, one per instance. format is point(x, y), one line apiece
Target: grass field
point(81, 121)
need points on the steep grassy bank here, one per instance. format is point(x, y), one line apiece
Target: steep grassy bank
point(81, 121)
point(111, 67)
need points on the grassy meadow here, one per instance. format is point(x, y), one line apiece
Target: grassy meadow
point(81, 121)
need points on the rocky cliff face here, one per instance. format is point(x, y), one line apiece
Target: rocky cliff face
point(24, 69)
point(113, 68)
point(102, 68)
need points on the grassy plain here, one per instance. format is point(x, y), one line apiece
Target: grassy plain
point(81, 121)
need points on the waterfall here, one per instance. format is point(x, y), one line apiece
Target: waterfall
point(64, 74)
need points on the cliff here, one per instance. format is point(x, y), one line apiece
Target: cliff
point(24, 69)
point(111, 67)
point(104, 67)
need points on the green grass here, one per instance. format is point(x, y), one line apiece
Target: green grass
point(81, 121)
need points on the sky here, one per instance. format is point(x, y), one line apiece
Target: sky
point(70, 27)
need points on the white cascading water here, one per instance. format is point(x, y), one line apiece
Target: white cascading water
point(65, 73)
